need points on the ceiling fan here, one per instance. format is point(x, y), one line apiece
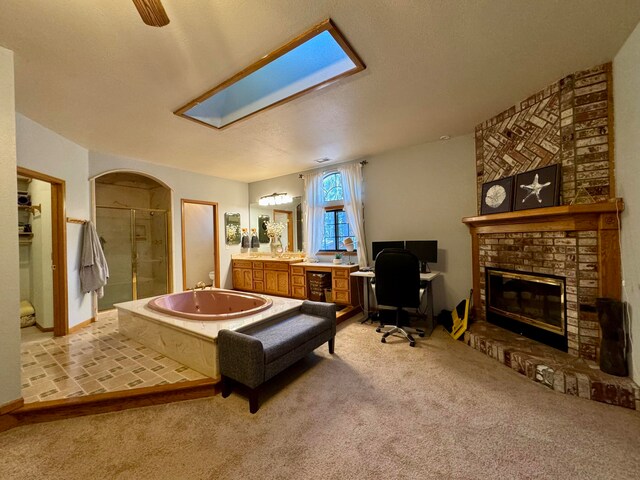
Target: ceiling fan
point(152, 12)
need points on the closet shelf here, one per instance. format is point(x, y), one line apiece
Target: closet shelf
point(31, 208)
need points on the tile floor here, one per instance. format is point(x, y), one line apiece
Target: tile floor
point(96, 359)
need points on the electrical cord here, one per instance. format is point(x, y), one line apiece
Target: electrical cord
point(625, 305)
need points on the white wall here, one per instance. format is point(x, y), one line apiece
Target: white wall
point(291, 184)
point(421, 193)
point(416, 193)
point(230, 195)
point(10, 291)
point(47, 152)
point(41, 254)
point(626, 94)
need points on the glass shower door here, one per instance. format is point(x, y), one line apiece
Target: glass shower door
point(114, 230)
point(150, 261)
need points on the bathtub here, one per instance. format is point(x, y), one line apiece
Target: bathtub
point(210, 305)
point(193, 341)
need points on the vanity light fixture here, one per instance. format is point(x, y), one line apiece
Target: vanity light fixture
point(275, 199)
point(310, 61)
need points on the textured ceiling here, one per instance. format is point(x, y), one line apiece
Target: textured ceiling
point(93, 72)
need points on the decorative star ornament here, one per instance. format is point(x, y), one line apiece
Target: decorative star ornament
point(534, 189)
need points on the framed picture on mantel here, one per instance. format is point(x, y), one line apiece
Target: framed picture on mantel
point(497, 196)
point(538, 188)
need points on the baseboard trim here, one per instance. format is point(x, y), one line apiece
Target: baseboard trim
point(112, 401)
point(77, 327)
point(7, 420)
point(43, 329)
point(11, 406)
point(346, 313)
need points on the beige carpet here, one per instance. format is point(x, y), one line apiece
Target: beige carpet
point(373, 410)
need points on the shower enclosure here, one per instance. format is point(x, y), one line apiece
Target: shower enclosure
point(134, 241)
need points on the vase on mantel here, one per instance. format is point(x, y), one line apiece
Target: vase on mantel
point(275, 245)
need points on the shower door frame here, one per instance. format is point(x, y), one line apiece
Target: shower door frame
point(134, 253)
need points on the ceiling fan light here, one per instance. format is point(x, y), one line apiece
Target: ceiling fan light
point(152, 12)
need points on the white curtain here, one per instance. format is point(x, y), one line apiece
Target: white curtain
point(352, 190)
point(313, 213)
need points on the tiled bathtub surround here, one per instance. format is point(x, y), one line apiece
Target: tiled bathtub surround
point(573, 255)
point(97, 359)
point(552, 368)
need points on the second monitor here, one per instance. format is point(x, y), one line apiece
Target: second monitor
point(377, 247)
point(425, 250)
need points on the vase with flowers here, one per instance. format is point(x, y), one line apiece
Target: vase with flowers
point(274, 232)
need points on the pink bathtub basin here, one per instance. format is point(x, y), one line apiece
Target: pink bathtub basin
point(210, 304)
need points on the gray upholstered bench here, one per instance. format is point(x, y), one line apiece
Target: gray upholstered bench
point(253, 356)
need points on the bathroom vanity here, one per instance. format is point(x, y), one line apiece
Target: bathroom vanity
point(288, 277)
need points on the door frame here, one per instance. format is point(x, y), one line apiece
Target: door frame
point(59, 249)
point(216, 250)
point(289, 214)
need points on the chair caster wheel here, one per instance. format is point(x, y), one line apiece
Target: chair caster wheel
point(412, 344)
point(384, 340)
point(378, 330)
point(421, 335)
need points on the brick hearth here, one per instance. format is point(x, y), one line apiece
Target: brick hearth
point(552, 368)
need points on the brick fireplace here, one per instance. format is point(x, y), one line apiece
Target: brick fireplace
point(578, 243)
point(568, 123)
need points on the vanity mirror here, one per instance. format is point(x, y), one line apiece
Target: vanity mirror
point(288, 213)
point(232, 228)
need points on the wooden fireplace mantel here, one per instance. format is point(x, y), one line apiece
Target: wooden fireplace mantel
point(593, 216)
point(600, 217)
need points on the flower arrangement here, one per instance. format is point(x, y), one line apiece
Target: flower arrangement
point(233, 231)
point(275, 229)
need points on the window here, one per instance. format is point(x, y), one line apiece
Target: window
point(336, 226)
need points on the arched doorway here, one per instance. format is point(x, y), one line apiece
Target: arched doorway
point(133, 217)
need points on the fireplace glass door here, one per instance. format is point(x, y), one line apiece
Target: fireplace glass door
point(531, 299)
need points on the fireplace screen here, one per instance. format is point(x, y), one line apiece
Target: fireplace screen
point(532, 299)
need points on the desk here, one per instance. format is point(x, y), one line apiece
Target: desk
point(426, 277)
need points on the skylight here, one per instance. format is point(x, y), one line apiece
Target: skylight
point(310, 61)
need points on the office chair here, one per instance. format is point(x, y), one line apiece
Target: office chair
point(398, 286)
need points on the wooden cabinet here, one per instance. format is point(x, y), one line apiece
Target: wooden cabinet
point(290, 280)
point(242, 275)
point(341, 285)
point(258, 277)
point(298, 282)
point(276, 282)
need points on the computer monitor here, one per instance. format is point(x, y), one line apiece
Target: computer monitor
point(377, 247)
point(425, 250)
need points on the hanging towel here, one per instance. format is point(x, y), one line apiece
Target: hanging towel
point(94, 271)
